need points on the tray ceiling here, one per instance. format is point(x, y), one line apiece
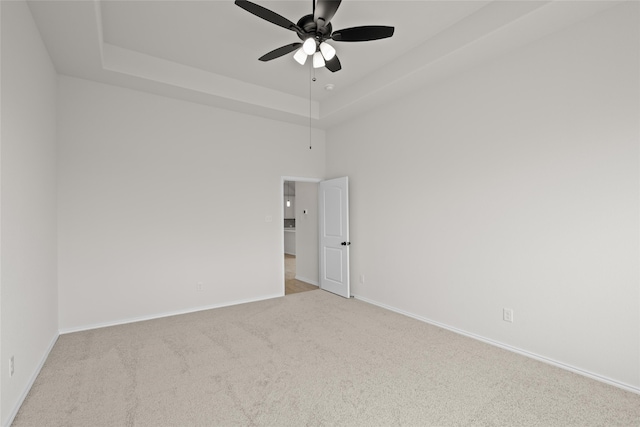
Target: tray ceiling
point(206, 51)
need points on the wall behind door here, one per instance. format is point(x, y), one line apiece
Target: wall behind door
point(307, 232)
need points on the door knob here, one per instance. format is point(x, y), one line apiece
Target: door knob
point(345, 243)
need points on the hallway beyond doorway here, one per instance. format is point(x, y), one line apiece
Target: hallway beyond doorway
point(291, 285)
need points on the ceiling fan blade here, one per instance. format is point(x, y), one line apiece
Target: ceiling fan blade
point(277, 53)
point(268, 15)
point(362, 34)
point(324, 10)
point(333, 65)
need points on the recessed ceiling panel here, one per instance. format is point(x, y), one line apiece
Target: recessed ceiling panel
point(207, 51)
point(222, 38)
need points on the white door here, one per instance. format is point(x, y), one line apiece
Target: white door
point(334, 236)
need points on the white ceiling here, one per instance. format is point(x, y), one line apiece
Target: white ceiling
point(206, 51)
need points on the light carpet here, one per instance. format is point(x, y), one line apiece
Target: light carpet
point(306, 359)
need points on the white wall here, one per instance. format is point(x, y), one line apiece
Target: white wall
point(515, 184)
point(146, 211)
point(307, 232)
point(29, 301)
point(289, 242)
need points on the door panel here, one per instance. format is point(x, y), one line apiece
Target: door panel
point(334, 236)
point(334, 264)
point(333, 212)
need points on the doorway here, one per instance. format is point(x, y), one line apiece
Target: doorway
point(291, 284)
point(300, 234)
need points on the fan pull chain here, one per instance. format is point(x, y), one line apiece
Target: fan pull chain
point(313, 79)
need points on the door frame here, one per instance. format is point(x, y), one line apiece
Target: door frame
point(282, 180)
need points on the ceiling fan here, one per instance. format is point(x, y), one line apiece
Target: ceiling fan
point(314, 30)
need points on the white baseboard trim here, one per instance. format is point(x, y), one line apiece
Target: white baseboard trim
point(26, 390)
point(309, 281)
point(290, 253)
point(165, 314)
point(591, 375)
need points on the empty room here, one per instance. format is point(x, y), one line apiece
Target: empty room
point(467, 185)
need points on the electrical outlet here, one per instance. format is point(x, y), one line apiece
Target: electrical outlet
point(362, 279)
point(12, 366)
point(200, 286)
point(507, 315)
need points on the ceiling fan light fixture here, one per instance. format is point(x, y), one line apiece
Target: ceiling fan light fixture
point(318, 60)
point(327, 51)
point(313, 30)
point(309, 46)
point(300, 56)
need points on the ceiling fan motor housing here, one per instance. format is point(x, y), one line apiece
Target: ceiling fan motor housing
point(311, 29)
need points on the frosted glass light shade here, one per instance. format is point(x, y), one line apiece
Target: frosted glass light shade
point(288, 203)
point(300, 56)
point(327, 51)
point(309, 46)
point(318, 60)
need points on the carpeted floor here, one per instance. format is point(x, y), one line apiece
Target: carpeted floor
point(310, 358)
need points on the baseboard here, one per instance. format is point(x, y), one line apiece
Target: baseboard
point(165, 314)
point(309, 281)
point(579, 371)
point(32, 380)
